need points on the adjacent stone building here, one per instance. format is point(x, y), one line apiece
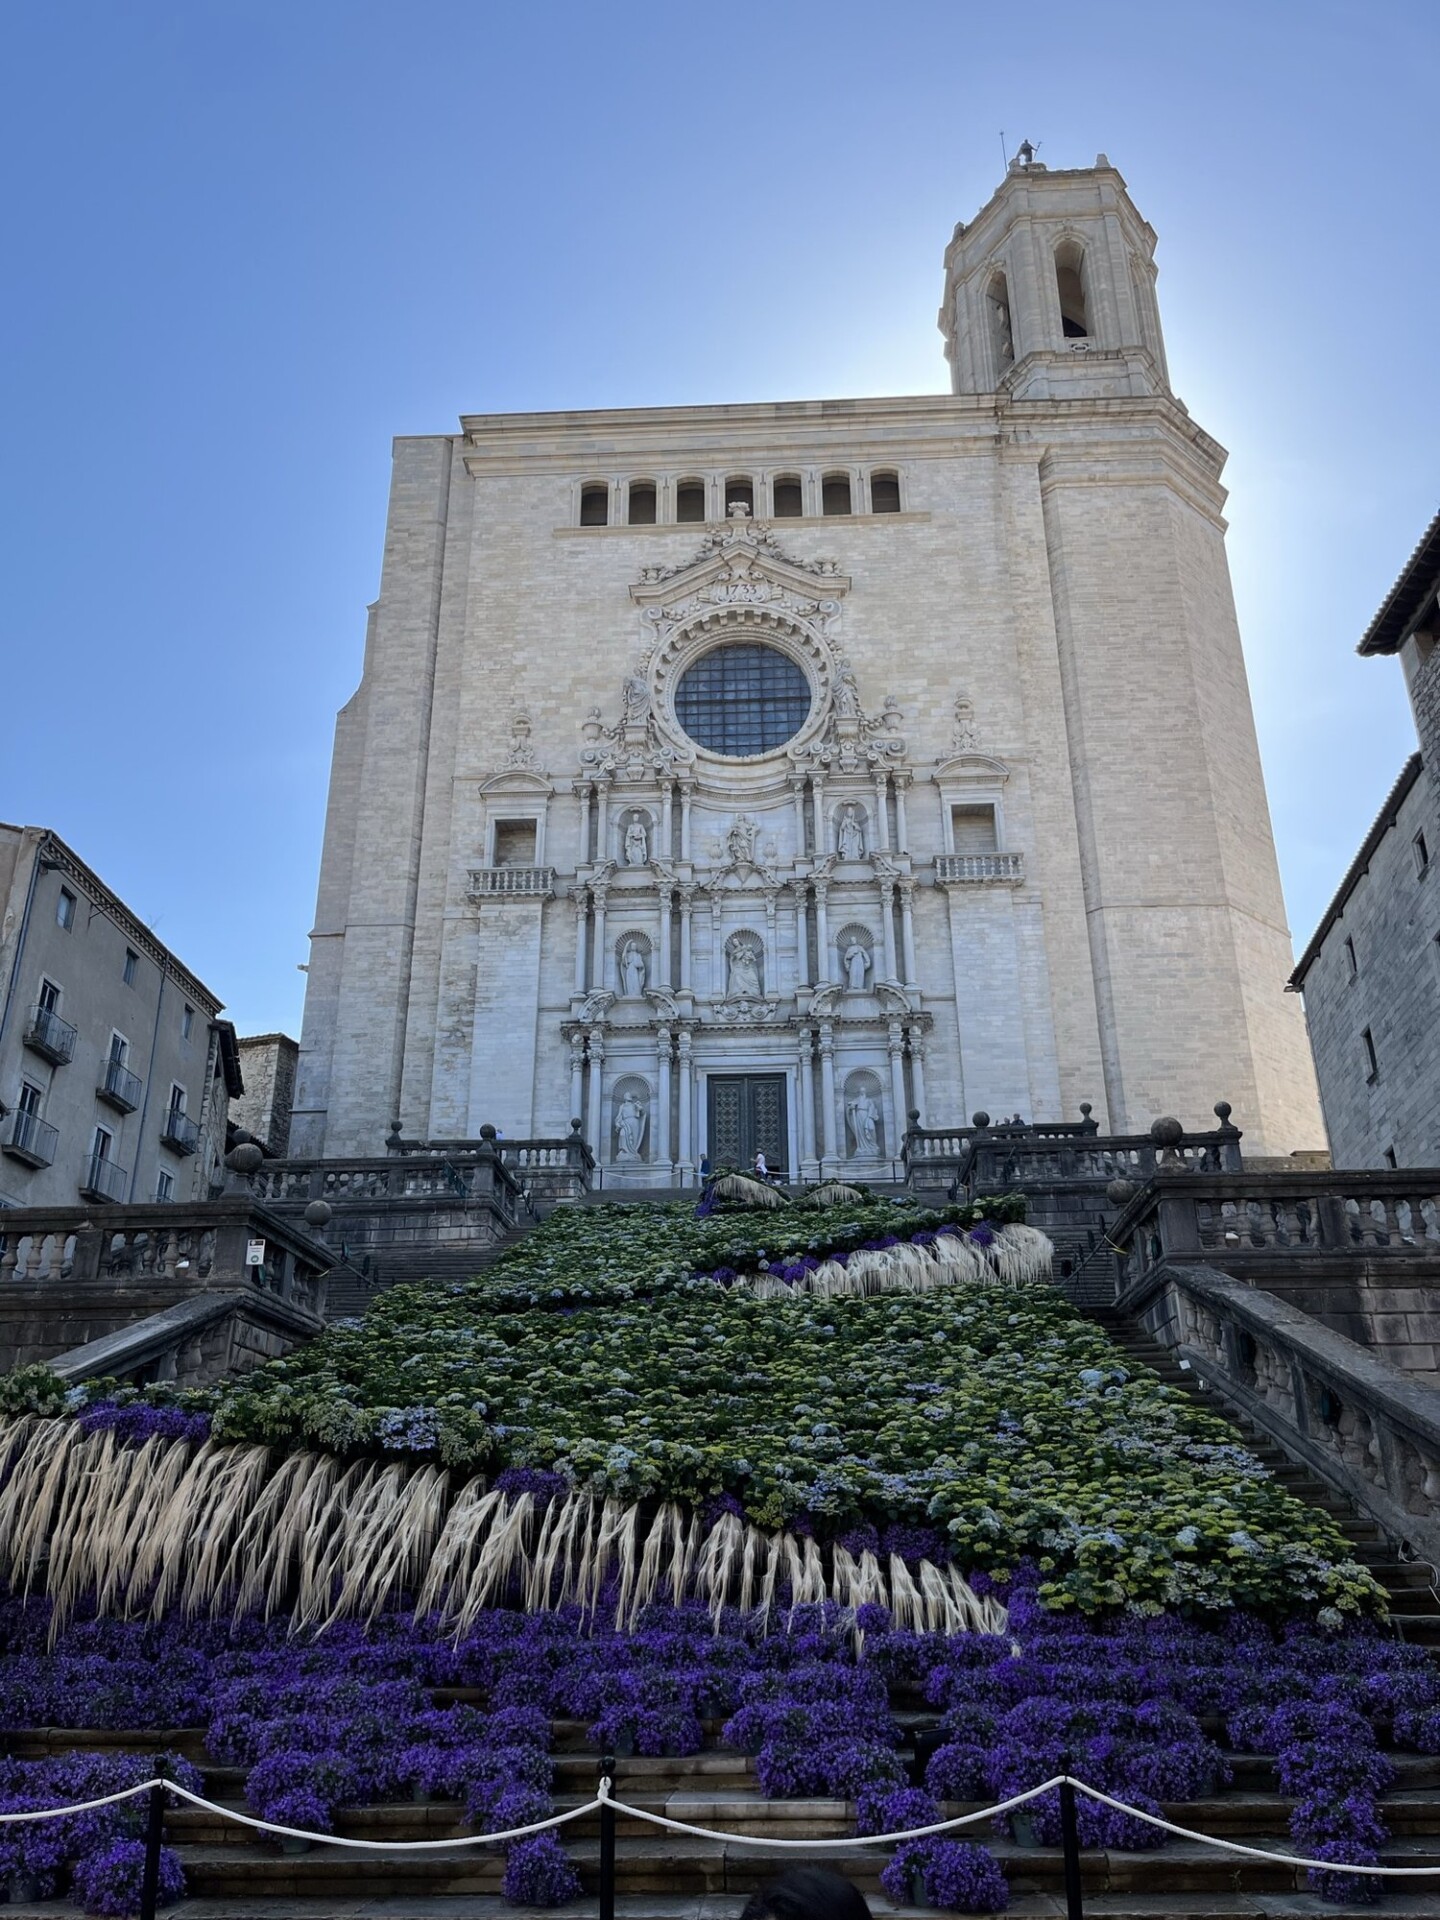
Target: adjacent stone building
point(115, 1068)
point(267, 1065)
point(752, 776)
point(1371, 974)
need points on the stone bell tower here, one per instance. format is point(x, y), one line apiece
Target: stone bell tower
point(1050, 290)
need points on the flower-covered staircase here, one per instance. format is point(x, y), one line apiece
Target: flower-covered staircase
point(232, 1874)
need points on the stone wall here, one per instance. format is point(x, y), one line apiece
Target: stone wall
point(267, 1065)
point(1390, 923)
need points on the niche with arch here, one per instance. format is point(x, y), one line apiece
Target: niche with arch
point(641, 503)
point(635, 837)
point(744, 965)
point(1070, 286)
point(634, 963)
point(1002, 335)
point(855, 950)
point(740, 492)
point(850, 830)
point(835, 493)
point(690, 500)
point(595, 505)
point(864, 1115)
point(630, 1114)
point(788, 496)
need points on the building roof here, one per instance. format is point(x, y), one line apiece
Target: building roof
point(1358, 867)
point(230, 1059)
point(49, 847)
point(1407, 597)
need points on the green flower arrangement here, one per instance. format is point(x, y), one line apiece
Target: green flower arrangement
point(601, 1348)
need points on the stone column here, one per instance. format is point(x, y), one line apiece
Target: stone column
point(687, 902)
point(599, 976)
point(907, 931)
point(802, 936)
point(887, 925)
point(581, 898)
point(895, 1047)
point(717, 950)
point(667, 822)
point(577, 1074)
point(917, 1071)
point(902, 829)
point(807, 1105)
point(822, 935)
point(684, 820)
point(797, 788)
point(597, 1061)
point(686, 1163)
point(882, 813)
point(660, 1126)
point(662, 959)
point(817, 796)
point(584, 855)
point(602, 818)
point(830, 1145)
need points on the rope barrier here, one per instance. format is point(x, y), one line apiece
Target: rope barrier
point(606, 1801)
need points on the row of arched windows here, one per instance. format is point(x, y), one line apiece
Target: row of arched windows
point(781, 496)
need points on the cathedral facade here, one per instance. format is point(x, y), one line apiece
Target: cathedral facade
point(744, 778)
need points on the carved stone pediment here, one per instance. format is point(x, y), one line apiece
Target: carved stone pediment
point(741, 564)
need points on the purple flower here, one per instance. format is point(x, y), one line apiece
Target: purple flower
point(538, 1873)
point(109, 1881)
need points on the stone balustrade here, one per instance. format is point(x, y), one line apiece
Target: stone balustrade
point(1370, 1432)
point(501, 883)
point(1358, 1250)
point(73, 1275)
point(980, 869)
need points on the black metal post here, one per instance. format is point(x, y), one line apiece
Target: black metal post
point(1070, 1844)
point(154, 1833)
point(607, 1841)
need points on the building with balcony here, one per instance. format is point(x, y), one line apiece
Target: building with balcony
point(1371, 973)
point(115, 1067)
point(751, 776)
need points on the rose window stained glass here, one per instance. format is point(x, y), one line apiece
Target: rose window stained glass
point(743, 700)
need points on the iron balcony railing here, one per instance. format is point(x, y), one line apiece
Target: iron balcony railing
point(104, 1179)
point(31, 1139)
point(119, 1087)
point(180, 1133)
point(47, 1033)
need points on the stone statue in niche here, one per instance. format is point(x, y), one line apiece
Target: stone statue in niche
point(632, 970)
point(630, 1118)
point(847, 695)
point(864, 1117)
point(634, 699)
point(637, 844)
point(740, 841)
point(852, 835)
point(857, 964)
point(744, 981)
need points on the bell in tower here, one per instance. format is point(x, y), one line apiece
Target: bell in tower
point(1050, 290)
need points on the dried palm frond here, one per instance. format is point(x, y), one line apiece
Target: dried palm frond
point(835, 1193)
point(219, 1526)
point(747, 1190)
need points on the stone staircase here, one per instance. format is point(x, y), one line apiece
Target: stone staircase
point(352, 1290)
point(233, 1874)
point(1414, 1601)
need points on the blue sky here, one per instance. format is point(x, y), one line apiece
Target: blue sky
point(245, 244)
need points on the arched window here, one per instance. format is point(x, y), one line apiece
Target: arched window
point(690, 500)
point(642, 503)
point(1002, 337)
point(1070, 285)
point(740, 491)
point(835, 493)
point(595, 506)
point(885, 493)
point(789, 501)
